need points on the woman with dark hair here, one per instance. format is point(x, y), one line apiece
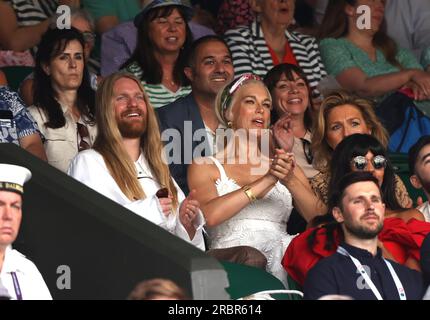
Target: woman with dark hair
point(63, 98)
point(364, 152)
point(292, 108)
point(340, 115)
point(363, 58)
point(163, 40)
point(404, 229)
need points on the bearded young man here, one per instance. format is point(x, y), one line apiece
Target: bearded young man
point(358, 269)
point(126, 163)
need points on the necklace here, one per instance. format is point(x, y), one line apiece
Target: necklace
point(169, 81)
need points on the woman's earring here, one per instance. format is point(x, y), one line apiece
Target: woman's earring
point(229, 124)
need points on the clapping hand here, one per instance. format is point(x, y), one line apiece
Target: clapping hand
point(188, 212)
point(283, 133)
point(282, 166)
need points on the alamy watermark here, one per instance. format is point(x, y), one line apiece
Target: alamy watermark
point(64, 280)
point(241, 146)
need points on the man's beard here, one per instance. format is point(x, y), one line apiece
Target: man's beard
point(363, 232)
point(131, 129)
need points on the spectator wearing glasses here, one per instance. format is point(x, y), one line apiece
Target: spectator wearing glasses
point(340, 115)
point(63, 98)
point(126, 163)
point(244, 194)
point(404, 229)
point(82, 21)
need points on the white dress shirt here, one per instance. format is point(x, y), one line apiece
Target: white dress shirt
point(61, 144)
point(89, 168)
point(29, 280)
point(425, 210)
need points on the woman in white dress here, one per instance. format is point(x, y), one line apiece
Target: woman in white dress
point(242, 190)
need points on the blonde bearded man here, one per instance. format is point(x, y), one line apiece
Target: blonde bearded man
point(126, 163)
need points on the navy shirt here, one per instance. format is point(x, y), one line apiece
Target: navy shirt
point(177, 115)
point(337, 274)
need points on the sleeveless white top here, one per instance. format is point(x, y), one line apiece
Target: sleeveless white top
point(262, 224)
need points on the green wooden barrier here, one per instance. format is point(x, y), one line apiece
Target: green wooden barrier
point(73, 233)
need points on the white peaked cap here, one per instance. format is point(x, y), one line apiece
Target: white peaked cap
point(12, 177)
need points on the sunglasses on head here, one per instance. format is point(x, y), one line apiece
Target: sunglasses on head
point(378, 162)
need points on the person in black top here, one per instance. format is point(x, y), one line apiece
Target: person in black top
point(358, 269)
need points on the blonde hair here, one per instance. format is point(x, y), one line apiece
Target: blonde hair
point(320, 147)
point(157, 288)
point(221, 108)
point(109, 143)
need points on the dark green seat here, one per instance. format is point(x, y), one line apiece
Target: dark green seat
point(293, 285)
point(401, 168)
point(15, 75)
point(245, 280)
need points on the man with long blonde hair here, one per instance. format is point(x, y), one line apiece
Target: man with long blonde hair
point(126, 164)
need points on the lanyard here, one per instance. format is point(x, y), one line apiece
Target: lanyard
point(16, 286)
point(369, 281)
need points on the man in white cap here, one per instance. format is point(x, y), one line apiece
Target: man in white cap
point(19, 276)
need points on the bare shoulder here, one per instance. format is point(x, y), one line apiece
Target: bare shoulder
point(203, 166)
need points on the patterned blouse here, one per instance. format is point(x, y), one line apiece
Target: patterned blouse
point(321, 181)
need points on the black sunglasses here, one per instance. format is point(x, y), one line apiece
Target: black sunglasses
point(378, 162)
point(307, 150)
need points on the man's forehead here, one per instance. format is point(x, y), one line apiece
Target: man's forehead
point(212, 48)
point(362, 188)
point(424, 152)
point(126, 84)
point(9, 195)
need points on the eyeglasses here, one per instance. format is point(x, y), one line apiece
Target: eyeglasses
point(307, 150)
point(234, 86)
point(89, 36)
point(378, 162)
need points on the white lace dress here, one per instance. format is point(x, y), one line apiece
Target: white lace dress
point(262, 224)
